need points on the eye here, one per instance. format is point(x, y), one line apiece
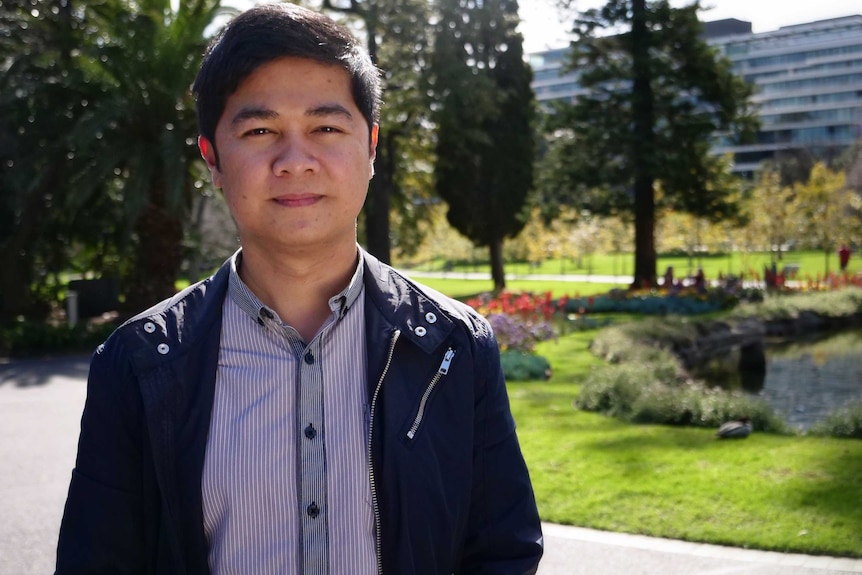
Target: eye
point(329, 130)
point(257, 132)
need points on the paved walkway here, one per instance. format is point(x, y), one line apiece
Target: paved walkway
point(40, 409)
point(578, 551)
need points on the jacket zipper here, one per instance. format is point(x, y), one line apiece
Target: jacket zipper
point(374, 504)
point(443, 370)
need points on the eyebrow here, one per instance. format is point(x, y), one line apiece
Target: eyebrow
point(322, 111)
point(329, 110)
point(246, 114)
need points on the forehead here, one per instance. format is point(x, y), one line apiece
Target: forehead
point(288, 76)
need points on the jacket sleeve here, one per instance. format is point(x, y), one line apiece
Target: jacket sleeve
point(102, 528)
point(504, 533)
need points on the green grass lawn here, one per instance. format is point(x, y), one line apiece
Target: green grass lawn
point(784, 493)
point(461, 288)
point(810, 262)
point(794, 494)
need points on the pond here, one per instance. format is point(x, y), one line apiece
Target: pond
point(806, 380)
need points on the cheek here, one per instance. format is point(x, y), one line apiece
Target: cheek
point(235, 199)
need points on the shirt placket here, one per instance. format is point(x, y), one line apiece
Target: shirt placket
point(311, 467)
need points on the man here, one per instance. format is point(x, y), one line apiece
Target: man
point(307, 409)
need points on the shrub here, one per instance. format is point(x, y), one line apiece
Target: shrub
point(613, 390)
point(644, 382)
point(846, 422)
point(632, 393)
point(520, 366)
point(30, 338)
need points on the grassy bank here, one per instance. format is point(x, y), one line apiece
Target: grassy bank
point(774, 492)
point(784, 493)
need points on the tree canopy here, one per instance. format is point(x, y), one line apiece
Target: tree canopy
point(106, 154)
point(654, 96)
point(484, 111)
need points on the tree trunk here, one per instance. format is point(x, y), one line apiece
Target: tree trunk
point(643, 117)
point(495, 249)
point(158, 257)
point(376, 209)
point(16, 257)
point(14, 287)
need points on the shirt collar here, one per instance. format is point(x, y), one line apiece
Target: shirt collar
point(249, 303)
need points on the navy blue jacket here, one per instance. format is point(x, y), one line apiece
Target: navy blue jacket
point(450, 489)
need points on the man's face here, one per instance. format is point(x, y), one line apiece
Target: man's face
point(295, 157)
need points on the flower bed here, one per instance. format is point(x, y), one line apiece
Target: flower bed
point(685, 301)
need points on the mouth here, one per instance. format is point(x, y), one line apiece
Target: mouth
point(297, 200)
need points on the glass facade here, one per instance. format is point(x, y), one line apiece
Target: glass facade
point(808, 80)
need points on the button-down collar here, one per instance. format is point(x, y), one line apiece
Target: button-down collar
point(257, 310)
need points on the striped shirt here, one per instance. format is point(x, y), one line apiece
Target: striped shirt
point(285, 483)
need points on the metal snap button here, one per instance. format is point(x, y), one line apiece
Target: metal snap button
point(149, 327)
point(163, 348)
point(430, 317)
point(420, 331)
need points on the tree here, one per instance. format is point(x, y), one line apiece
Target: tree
point(771, 211)
point(484, 111)
point(397, 39)
point(35, 42)
point(822, 205)
point(654, 98)
point(112, 133)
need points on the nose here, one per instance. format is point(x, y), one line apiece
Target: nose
point(294, 155)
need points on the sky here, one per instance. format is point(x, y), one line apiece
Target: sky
point(544, 27)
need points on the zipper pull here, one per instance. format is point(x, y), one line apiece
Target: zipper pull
point(447, 359)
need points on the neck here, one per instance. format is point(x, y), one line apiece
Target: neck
point(299, 287)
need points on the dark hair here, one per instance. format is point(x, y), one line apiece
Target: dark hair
point(270, 31)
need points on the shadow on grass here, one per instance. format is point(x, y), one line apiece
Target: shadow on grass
point(37, 372)
point(838, 487)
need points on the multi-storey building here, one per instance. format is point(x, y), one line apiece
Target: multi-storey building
point(808, 79)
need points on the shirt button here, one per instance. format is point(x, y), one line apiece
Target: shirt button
point(163, 348)
point(310, 432)
point(420, 331)
point(309, 358)
point(313, 510)
point(431, 317)
point(149, 327)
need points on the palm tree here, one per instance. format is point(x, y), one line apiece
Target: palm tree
point(140, 131)
point(124, 158)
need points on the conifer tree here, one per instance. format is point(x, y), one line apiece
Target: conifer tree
point(484, 110)
point(655, 95)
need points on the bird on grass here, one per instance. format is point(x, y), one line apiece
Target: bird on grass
point(736, 429)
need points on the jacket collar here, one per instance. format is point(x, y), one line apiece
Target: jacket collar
point(171, 327)
point(406, 306)
point(421, 314)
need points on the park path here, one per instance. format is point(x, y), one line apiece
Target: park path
point(40, 409)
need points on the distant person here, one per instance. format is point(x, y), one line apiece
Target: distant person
point(700, 280)
point(843, 256)
point(668, 277)
point(307, 409)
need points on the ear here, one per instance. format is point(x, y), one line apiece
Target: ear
point(372, 152)
point(208, 154)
